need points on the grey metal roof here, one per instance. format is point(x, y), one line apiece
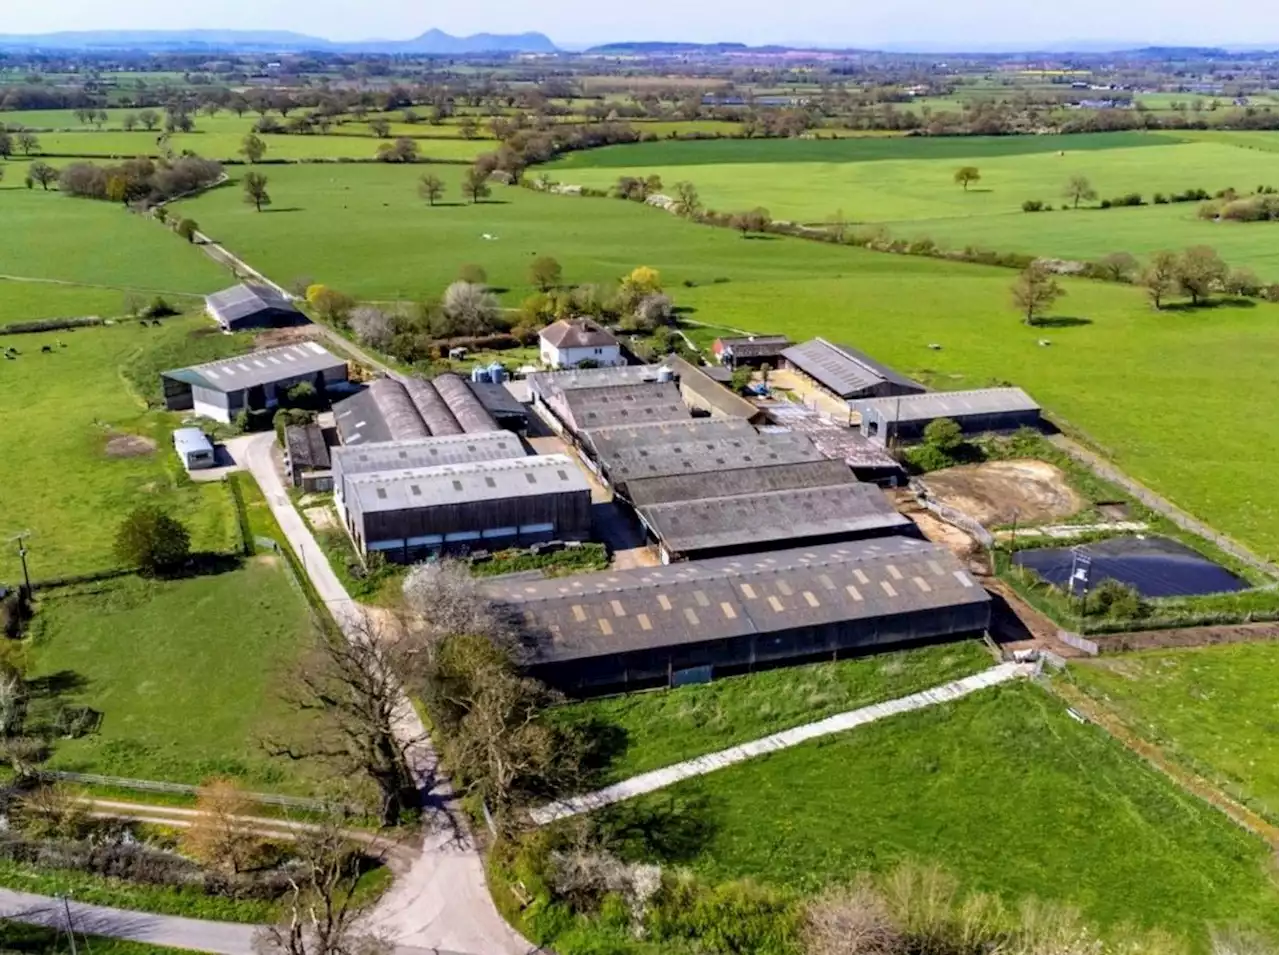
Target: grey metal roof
point(306, 445)
point(431, 406)
point(360, 421)
point(722, 400)
point(843, 370)
point(547, 383)
point(606, 442)
point(186, 440)
point(498, 399)
point(735, 481)
point(471, 415)
point(246, 300)
point(948, 404)
point(455, 483)
point(617, 611)
point(770, 516)
point(434, 451)
point(750, 449)
point(623, 404)
point(261, 368)
point(835, 440)
point(755, 346)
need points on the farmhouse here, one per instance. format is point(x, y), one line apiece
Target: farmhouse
point(253, 382)
point(252, 305)
point(410, 514)
point(570, 342)
point(846, 372)
point(986, 409)
point(193, 447)
point(751, 351)
point(626, 629)
point(306, 457)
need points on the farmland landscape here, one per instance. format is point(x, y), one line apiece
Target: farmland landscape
point(219, 688)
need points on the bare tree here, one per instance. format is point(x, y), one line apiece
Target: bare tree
point(255, 190)
point(475, 183)
point(838, 225)
point(753, 220)
point(1160, 277)
point(27, 141)
point(149, 119)
point(41, 172)
point(379, 127)
point(1118, 266)
point(850, 920)
point(431, 188)
point(129, 122)
point(1077, 188)
point(323, 911)
point(1201, 271)
point(473, 309)
point(687, 203)
point(353, 686)
point(1035, 291)
point(217, 835)
point(372, 326)
point(545, 273)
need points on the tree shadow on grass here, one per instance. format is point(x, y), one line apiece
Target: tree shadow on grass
point(207, 564)
point(670, 827)
point(761, 238)
point(1061, 321)
point(1208, 306)
point(57, 684)
point(284, 209)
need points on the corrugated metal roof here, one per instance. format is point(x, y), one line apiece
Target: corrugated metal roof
point(360, 421)
point(835, 440)
point(306, 445)
point(458, 483)
point(755, 346)
point(434, 451)
point(606, 442)
point(704, 600)
point(431, 406)
point(948, 404)
point(734, 481)
point(246, 300)
point(750, 449)
point(471, 415)
point(843, 370)
point(623, 404)
point(261, 368)
point(767, 517)
point(720, 399)
point(498, 399)
point(547, 383)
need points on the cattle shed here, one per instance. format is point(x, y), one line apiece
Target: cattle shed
point(648, 401)
point(750, 351)
point(417, 512)
point(606, 442)
point(846, 372)
point(735, 481)
point(431, 406)
point(986, 409)
point(253, 382)
point(252, 305)
point(470, 413)
point(628, 629)
point(430, 452)
point(764, 520)
point(704, 393)
point(401, 409)
point(750, 449)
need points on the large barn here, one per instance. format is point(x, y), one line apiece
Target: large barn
point(252, 305)
point(846, 372)
point(627, 629)
point(401, 409)
point(986, 409)
point(253, 382)
point(412, 513)
point(750, 351)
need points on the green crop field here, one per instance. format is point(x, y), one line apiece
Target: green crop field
point(1133, 379)
point(1003, 789)
point(64, 481)
point(892, 180)
point(52, 236)
point(1213, 708)
point(186, 673)
point(651, 730)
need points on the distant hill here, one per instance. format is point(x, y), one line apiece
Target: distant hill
point(273, 41)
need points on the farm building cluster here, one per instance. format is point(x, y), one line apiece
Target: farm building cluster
point(771, 537)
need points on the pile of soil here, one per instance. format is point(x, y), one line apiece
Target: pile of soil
point(129, 446)
point(1001, 492)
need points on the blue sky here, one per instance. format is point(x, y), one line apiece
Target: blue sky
point(932, 24)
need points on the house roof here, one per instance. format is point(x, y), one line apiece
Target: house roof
point(770, 516)
point(577, 333)
point(735, 481)
point(616, 611)
point(947, 404)
point(721, 400)
point(462, 483)
point(843, 370)
point(246, 300)
point(623, 404)
point(260, 368)
point(434, 451)
point(306, 446)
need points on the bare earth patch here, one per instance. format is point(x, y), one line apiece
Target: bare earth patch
point(276, 337)
point(129, 446)
point(1001, 492)
point(321, 518)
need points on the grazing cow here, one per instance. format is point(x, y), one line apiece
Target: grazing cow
point(46, 348)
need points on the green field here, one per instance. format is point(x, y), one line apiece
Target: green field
point(32, 940)
point(186, 673)
point(651, 730)
point(1002, 789)
point(58, 412)
point(1212, 708)
point(1129, 377)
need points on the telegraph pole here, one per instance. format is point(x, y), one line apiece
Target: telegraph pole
point(22, 556)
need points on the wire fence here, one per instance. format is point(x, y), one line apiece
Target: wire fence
point(156, 786)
